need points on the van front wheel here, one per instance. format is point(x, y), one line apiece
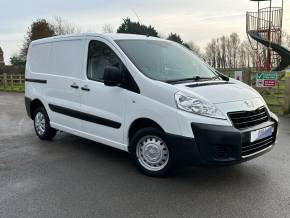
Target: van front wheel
point(151, 152)
point(41, 124)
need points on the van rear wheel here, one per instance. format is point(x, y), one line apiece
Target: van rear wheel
point(151, 152)
point(41, 124)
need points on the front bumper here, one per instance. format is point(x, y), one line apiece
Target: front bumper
point(221, 145)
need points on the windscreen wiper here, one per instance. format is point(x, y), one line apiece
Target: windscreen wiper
point(222, 76)
point(195, 79)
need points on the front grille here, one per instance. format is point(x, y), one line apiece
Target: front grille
point(254, 147)
point(244, 119)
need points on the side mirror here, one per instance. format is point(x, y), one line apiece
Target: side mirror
point(112, 76)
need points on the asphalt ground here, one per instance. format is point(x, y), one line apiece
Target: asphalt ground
point(74, 177)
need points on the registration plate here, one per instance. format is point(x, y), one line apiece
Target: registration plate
point(261, 133)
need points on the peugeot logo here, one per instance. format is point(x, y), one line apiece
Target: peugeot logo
point(249, 104)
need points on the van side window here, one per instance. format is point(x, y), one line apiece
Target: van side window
point(100, 56)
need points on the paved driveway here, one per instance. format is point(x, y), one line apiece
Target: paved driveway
point(75, 177)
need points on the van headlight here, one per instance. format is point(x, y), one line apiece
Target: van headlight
point(197, 105)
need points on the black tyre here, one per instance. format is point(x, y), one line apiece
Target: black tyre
point(41, 124)
point(151, 152)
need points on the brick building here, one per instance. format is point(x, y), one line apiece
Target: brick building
point(1, 57)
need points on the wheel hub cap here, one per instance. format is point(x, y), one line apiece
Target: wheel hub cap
point(39, 123)
point(152, 153)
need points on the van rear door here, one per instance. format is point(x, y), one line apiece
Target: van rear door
point(63, 93)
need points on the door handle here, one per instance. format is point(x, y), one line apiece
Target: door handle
point(85, 88)
point(74, 86)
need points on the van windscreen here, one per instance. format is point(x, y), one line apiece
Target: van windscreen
point(165, 60)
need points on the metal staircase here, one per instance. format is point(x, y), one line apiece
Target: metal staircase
point(264, 30)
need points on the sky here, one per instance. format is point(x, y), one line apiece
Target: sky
point(194, 20)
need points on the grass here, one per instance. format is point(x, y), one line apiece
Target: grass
point(14, 88)
point(276, 100)
point(272, 101)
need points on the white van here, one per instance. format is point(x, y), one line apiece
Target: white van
point(148, 96)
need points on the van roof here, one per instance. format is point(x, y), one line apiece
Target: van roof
point(109, 36)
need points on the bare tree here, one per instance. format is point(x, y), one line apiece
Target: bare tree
point(242, 55)
point(62, 27)
point(211, 53)
point(218, 54)
point(235, 43)
point(229, 52)
point(107, 28)
point(250, 53)
point(195, 48)
point(223, 51)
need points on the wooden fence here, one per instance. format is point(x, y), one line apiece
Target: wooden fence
point(12, 81)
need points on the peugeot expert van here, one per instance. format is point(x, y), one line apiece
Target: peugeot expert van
point(148, 96)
